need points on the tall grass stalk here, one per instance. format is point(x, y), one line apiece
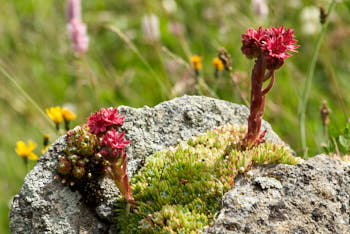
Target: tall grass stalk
point(93, 80)
point(26, 95)
point(338, 91)
point(175, 57)
point(143, 60)
point(305, 95)
point(238, 89)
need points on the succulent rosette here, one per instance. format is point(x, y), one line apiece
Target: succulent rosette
point(112, 144)
point(273, 44)
point(101, 121)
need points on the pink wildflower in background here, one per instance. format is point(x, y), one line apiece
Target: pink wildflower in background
point(76, 28)
point(260, 8)
point(100, 121)
point(74, 10)
point(150, 28)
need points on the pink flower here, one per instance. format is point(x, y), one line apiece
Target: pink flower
point(274, 44)
point(150, 28)
point(112, 143)
point(280, 42)
point(74, 10)
point(253, 42)
point(76, 27)
point(79, 37)
point(100, 121)
point(260, 8)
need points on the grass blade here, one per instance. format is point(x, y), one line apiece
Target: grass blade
point(137, 52)
point(26, 95)
point(305, 95)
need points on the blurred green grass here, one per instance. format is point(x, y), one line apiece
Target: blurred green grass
point(35, 49)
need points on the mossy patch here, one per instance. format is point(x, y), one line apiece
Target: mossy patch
point(179, 190)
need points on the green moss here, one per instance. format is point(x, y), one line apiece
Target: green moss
point(180, 189)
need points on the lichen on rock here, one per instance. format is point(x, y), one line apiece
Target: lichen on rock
point(311, 197)
point(179, 189)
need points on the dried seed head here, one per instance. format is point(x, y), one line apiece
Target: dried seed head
point(323, 15)
point(325, 112)
point(225, 58)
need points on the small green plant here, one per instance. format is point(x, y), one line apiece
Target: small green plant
point(179, 190)
point(339, 144)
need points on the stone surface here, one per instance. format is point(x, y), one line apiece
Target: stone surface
point(44, 205)
point(312, 197)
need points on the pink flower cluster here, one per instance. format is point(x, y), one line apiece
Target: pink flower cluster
point(104, 119)
point(105, 124)
point(76, 28)
point(274, 44)
point(113, 144)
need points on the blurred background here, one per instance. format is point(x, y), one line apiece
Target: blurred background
point(145, 59)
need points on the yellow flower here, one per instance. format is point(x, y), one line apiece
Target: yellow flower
point(196, 62)
point(26, 151)
point(218, 64)
point(55, 114)
point(68, 115)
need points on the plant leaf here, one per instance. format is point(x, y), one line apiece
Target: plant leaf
point(345, 143)
point(347, 4)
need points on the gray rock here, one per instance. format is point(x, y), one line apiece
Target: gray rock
point(312, 197)
point(46, 206)
point(267, 183)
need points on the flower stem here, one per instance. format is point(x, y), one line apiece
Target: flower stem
point(121, 179)
point(25, 160)
point(304, 99)
point(66, 125)
point(257, 102)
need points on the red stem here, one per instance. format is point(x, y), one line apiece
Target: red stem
point(121, 178)
point(268, 75)
point(268, 88)
point(257, 102)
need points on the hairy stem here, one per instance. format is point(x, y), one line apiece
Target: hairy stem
point(268, 88)
point(121, 179)
point(257, 102)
